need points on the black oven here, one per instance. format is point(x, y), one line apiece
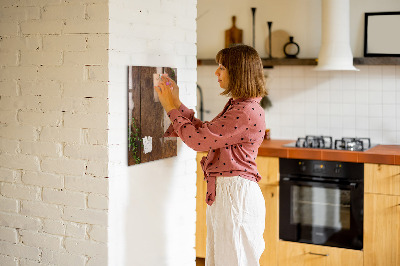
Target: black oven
point(321, 202)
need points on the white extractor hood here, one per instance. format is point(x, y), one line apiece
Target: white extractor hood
point(335, 52)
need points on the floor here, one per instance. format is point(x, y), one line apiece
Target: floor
point(200, 262)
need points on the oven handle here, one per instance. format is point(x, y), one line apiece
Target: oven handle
point(310, 182)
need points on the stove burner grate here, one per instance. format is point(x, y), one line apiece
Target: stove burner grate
point(326, 142)
point(322, 142)
point(353, 144)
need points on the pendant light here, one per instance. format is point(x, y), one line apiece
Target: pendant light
point(335, 52)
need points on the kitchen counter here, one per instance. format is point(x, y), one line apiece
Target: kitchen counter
point(380, 154)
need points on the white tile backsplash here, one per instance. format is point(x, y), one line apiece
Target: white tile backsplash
point(348, 109)
point(349, 96)
point(375, 110)
point(390, 136)
point(323, 94)
point(362, 97)
point(375, 123)
point(375, 97)
point(389, 111)
point(336, 109)
point(336, 122)
point(323, 121)
point(348, 132)
point(362, 110)
point(389, 83)
point(336, 96)
point(362, 123)
point(389, 97)
point(363, 103)
point(298, 83)
point(310, 109)
point(349, 122)
point(364, 133)
point(298, 72)
point(349, 79)
point(362, 78)
point(389, 124)
point(376, 136)
point(375, 83)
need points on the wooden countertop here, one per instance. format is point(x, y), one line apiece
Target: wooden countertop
point(380, 154)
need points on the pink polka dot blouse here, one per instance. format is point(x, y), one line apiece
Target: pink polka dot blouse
point(232, 139)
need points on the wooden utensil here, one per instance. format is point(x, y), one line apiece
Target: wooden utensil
point(233, 35)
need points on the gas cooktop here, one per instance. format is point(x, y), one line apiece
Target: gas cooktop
point(326, 142)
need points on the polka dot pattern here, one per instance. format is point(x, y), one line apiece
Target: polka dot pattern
point(232, 139)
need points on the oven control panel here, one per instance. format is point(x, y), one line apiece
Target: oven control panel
point(317, 168)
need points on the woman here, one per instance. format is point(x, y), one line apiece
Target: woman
point(236, 211)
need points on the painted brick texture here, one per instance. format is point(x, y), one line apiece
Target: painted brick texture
point(53, 132)
point(63, 82)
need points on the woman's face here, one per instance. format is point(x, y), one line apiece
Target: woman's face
point(223, 76)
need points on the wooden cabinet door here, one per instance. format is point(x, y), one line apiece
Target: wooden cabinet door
point(382, 179)
point(381, 230)
point(299, 254)
point(201, 206)
point(268, 168)
point(271, 232)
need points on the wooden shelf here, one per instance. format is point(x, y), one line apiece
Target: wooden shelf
point(269, 63)
point(377, 61)
point(289, 62)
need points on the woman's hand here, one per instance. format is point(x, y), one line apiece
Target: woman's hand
point(165, 96)
point(175, 90)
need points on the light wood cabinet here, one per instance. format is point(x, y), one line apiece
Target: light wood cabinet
point(382, 215)
point(382, 179)
point(201, 205)
point(300, 254)
point(268, 168)
point(271, 232)
point(381, 230)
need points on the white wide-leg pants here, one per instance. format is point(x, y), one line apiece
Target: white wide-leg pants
point(235, 223)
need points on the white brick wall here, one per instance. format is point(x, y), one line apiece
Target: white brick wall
point(60, 138)
point(152, 205)
point(53, 132)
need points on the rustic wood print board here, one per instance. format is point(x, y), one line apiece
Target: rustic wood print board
point(147, 120)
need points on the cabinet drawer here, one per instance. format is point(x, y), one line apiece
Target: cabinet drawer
point(299, 254)
point(382, 179)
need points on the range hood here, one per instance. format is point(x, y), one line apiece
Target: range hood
point(335, 52)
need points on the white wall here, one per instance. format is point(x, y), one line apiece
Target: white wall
point(53, 133)
point(301, 19)
point(337, 103)
point(152, 205)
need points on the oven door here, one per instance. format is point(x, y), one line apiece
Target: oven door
point(321, 212)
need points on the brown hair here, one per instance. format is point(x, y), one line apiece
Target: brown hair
point(245, 69)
